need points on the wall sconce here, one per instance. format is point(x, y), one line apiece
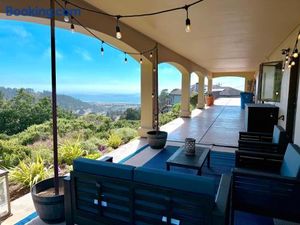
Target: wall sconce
point(4, 195)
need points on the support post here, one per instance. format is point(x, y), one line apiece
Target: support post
point(54, 105)
point(146, 98)
point(201, 103)
point(185, 95)
point(209, 85)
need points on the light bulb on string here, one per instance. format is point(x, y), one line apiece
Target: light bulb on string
point(102, 49)
point(187, 21)
point(125, 59)
point(295, 53)
point(141, 59)
point(151, 54)
point(66, 14)
point(293, 63)
point(290, 66)
point(299, 36)
point(118, 30)
point(72, 28)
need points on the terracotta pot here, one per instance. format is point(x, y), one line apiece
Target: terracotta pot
point(209, 100)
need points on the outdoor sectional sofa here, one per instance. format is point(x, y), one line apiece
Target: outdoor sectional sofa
point(100, 192)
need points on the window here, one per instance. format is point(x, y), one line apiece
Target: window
point(270, 78)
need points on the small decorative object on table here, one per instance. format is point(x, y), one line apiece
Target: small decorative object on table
point(190, 146)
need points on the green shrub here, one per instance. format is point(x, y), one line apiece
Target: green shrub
point(28, 173)
point(125, 133)
point(93, 144)
point(95, 155)
point(114, 141)
point(12, 153)
point(69, 151)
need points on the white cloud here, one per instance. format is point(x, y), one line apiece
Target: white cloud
point(47, 54)
point(21, 32)
point(85, 55)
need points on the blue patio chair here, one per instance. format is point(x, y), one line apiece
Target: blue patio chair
point(269, 194)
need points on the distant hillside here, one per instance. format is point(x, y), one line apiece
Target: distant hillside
point(64, 101)
point(73, 104)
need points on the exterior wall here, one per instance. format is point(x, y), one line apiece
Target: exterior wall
point(276, 56)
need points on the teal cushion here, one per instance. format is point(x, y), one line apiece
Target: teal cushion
point(178, 181)
point(102, 168)
point(278, 134)
point(291, 162)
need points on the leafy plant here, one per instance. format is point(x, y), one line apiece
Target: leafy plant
point(125, 133)
point(114, 141)
point(28, 173)
point(69, 151)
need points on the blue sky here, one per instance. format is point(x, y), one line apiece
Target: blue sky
point(25, 62)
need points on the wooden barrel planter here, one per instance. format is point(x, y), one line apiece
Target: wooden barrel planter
point(49, 207)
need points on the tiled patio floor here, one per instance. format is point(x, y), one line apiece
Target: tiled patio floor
point(218, 125)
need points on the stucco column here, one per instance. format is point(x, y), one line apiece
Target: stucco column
point(146, 99)
point(201, 103)
point(185, 95)
point(209, 85)
point(248, 84)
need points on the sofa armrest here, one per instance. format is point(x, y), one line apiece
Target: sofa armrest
point(220, 214)
point(258, 146)
point(255, 136)
point(262, 175)
point(68, 200)
point(107, 159)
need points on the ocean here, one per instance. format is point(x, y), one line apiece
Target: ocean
point(109, 98)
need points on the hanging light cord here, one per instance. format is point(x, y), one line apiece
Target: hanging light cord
point(134, 15)
point(95, 36)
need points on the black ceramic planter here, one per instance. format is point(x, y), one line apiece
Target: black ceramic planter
point(50, 209)
point(157, 139)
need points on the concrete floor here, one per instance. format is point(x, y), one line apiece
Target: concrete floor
point(218, 125)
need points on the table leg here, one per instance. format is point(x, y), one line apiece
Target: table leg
point(168, 166)
point(208, 160)
point(199, 173)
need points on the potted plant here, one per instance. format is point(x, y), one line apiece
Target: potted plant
point(156, 139)
point(48, 195)
point(209, 99)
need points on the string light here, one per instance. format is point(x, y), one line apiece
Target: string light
point(141, 59)
point(72, 27)
point(95, 36)
point(295, 53)
point(290, 66)
point(118, 30)
point(102, 49)
point(299, 36)
point(125, 60)
point(292, 62)
point(187, 21)
point(151, 54)
point(66, 14)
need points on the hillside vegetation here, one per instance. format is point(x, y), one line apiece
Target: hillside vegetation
point(26, 137)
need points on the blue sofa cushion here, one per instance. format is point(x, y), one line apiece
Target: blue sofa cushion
point(178, 181)
point(291, 162)
point(102, 168)
point(278, 134)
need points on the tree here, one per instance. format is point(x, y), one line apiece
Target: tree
point(163, 99)
point(132, 114)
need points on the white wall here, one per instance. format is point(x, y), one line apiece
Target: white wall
point(276, 56)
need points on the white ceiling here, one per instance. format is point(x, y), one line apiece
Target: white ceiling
point(227, 35)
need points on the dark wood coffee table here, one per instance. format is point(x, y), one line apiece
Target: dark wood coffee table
point(196, 162)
